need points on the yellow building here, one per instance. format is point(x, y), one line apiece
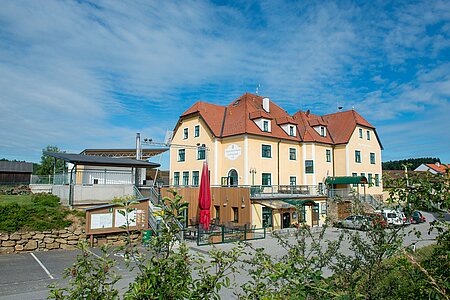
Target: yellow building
point(254, 142)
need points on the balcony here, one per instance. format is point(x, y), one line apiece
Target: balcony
point(262, 191)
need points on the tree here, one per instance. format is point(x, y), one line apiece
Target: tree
point(47, 162)
point(412, 162)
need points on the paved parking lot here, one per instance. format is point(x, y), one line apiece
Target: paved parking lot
point(27, 275)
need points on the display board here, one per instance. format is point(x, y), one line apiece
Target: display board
point(101, 221)
point(120, 218)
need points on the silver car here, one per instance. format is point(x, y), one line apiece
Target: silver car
point(354, 222)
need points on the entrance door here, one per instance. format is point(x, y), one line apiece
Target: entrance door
point(286, 220)
point(315, 215)
point(266, 217)
point(232, 178)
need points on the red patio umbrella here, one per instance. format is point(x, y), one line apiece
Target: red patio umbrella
point(204, 197)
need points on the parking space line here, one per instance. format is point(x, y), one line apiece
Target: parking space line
point(42, 266)
point(98, 256)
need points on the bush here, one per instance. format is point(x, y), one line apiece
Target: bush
point(44, 199)
point(44, 213)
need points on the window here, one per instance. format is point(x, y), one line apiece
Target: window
point(377, 179)
point(368, 135)
point(328, 154)
point(360, 133)
point(266, 179)
point(357, 156)
point(201, 153)
point(181, 155)
point(235, 214)
point(354, 175)
point(185, 133)
point(321, 191)
point(291, 130)
point(197, 131)
point(323, 208)
point(176, 178)
point(369, 178)
point(322, 131)
point(266, 151)
point(309, 166)
point(186, 178)
point(266, 126)
point(195, 177)
point(292, 154)
point(363, 175)
point(293, 180)
point(372, 158)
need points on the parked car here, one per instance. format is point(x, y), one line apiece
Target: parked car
point(394, 217)
point(377, 220)
point(354, 222)
point(417, 217)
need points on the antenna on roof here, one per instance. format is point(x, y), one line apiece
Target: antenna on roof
point(339, 107)
point(257, 89)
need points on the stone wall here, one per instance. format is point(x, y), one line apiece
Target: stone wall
point(66, 239)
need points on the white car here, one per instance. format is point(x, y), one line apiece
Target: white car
point(394, 217)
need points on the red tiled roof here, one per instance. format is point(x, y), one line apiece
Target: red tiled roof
point(342, 124)
point(238, 118)
point(212, 115)
point(441, 168)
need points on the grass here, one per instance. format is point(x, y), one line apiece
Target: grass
point(19, 199)
point(35, 212)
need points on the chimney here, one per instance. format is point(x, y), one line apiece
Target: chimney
point(266, 104)
point(437, 163)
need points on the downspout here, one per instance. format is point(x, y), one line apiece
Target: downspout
point(278, 163)
point(70, 186)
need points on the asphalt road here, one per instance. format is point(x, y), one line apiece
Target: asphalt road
point(27, 275)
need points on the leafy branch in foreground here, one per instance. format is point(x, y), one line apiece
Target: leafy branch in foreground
point(91, 277)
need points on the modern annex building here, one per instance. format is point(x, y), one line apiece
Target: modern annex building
point(254, 142)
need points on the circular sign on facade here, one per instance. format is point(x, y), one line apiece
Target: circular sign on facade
point(232, 152)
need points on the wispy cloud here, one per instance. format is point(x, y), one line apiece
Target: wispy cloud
point(83, 74)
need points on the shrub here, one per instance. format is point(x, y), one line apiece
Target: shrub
point(44, 199)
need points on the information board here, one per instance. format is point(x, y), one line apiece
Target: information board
point(119, 219)
point(101, 220)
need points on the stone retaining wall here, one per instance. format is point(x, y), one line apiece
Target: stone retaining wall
point(66, 238)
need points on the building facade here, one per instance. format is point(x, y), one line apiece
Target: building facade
point(254, 142)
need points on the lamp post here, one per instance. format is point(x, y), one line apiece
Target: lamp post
point(159, 185)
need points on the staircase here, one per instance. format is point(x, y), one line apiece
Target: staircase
point(155, 206)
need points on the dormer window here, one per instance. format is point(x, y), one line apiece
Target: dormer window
point(265, 125)
point(291, 130)
point(321, 130)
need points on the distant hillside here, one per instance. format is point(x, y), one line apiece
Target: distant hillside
point(411, 162)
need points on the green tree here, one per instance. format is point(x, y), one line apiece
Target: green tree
point(48, 163)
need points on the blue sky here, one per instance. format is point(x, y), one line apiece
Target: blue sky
point(80, 74)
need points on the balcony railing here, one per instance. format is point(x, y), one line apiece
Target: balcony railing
point(86, 177)
point(307, 190)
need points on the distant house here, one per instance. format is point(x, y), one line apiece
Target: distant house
point(435, 168)
point(92, 180)
point(15, 172)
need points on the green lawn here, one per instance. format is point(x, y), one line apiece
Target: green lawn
point(19, 199)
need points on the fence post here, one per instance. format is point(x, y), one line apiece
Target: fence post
point(264, 232)
point(198, 235)
point(223, 233)
point(245, 232)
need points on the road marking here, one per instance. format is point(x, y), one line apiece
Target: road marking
point(98, 256)
point(42, 266)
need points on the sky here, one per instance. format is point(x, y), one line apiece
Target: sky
point(91, 74)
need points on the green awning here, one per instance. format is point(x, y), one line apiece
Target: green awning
point(346, 180)
point(306, 202)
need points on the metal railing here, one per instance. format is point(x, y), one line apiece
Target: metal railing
point(344, 193)
point(309, 190)
point(41, 179)
point(154, 203)
point(223, 234)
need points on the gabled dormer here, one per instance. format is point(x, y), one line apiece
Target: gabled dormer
point(262, 119)
point(288, 124)
point(319, 125)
